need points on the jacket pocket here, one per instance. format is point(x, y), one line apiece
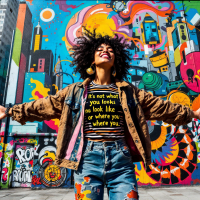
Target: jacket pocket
point(74, 107)
point(72, 104)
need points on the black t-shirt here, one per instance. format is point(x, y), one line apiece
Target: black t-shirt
point(103, 117)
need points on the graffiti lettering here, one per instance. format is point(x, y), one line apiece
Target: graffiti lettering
point(4, 175)
point(25, 155)
point(22, 175)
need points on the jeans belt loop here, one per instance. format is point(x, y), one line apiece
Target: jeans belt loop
point(90, 147)
point(117, 147)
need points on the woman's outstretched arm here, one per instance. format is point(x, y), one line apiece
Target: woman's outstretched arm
point(42, 109)
point(155, 108)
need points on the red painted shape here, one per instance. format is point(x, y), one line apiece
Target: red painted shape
point(36, 180)
point(20, 84)
point(31, 162)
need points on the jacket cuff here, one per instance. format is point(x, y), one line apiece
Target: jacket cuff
point(17, 114)
point(189, 116)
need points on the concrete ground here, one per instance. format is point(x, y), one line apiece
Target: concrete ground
point(170, 193)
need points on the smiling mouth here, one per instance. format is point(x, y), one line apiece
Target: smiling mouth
point(105, 56)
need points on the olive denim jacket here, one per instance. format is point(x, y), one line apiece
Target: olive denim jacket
point(68, 106)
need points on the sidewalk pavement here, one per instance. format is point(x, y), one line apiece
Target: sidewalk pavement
point(169, 193)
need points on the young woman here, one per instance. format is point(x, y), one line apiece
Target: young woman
point(103, 127)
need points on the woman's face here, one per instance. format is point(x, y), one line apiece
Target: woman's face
point(104, 56)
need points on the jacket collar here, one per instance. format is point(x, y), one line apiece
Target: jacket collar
point(119, 83)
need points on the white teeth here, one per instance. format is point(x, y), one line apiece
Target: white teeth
point(106, 56)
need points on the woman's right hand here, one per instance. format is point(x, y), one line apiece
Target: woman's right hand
point(2, 112)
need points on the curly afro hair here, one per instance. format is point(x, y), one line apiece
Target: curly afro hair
point(86, 45)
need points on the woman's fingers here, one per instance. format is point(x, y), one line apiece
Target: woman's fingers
point(2, 112)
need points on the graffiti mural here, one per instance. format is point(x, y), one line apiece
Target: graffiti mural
point(164, 39)
point(45, 173)
point(23, 165)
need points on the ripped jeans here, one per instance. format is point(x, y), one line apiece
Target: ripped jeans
point(105, 164)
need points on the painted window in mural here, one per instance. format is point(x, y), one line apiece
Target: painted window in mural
point(164, 37)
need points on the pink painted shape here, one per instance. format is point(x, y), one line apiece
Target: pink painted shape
point(78, 156)
point(73, 140)
point(52, 125)
point(192, 63)
point(80, 18)
point(75, 135)
point(136, 56)
point(11, 142)
point(38, 94)
point(41, 65)
point(162, 43)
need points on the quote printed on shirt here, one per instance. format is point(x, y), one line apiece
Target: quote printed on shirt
point(99, 112)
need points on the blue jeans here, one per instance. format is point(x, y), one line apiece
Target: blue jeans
point(105, 164)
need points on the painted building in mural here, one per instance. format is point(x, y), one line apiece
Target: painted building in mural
point(164, 37)
point(8, 18)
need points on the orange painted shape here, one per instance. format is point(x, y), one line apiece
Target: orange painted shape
point(196, 103)
point(184, 164)
point(78, 194)
point(132, 194)
point(47, 14)
point(21, 17)
point(30, 1)
point(176, 171)
point(140, 6)
point(31, 69)
point(182, 48)
point(87, 179)
point(166, 174)
point(189, 153)
point(186, 139)
point(156, 170)
point(169, 35)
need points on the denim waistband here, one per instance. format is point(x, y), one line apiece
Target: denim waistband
point(116, 143)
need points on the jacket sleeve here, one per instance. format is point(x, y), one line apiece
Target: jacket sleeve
point(46, 108)
point(155, 108)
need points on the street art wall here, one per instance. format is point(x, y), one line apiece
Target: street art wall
point(164, 37)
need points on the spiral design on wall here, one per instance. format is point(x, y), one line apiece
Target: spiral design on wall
point(175, 159)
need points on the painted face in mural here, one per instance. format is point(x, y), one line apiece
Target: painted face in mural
point(104, 56)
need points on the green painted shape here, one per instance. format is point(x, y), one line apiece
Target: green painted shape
point(152, 81)
point(141, 85)
point(192, 4)
point(10, 161)
point(17, 46)
point(197, 146)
